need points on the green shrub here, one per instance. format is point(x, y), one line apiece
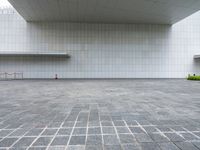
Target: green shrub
point(193, 77)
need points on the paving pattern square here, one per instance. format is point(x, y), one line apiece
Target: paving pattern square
point(127, 138)
point(94, 140)
point(111, 140)
point(94, 130)
point(77, 140)
point(100, 115)
point(42, 141)
point(60, 140)
point(7, 142)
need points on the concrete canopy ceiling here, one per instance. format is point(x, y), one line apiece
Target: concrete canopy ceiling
point(107, 11)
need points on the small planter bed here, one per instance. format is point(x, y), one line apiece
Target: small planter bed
point(194, 77)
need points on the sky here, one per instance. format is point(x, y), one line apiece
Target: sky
point(4, 4)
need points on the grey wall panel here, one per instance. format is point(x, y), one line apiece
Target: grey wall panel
point(101, 50)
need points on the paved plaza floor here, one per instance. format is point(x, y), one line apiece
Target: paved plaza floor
point(121, 114)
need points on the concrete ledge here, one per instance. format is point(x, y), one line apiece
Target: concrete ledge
point(196, 56)
point(35, 54)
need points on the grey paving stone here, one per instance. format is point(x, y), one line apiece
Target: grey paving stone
point(186, 146)
point(143, 122)
point(4, 133)
point(130, 147)
point(93, 117)
point(197, 134)
point(164, 129)
point(119, 123)
point(189, 136)
point(55, 125)
point(111, 140)
point(141, 137)
point(24, 142)
point(64, 131)
point(14, 125)
point(83, 116)
point(168, 146)
point(112, 147)
point(79, 131)
point(108, 130)
point(94, 147)
point(174, 137)
point(131, 123)
point(106, 123)
point(116, 118)
point(17, 148)
point(158, 137)
point(178, 128)
point(34, 132)
point(173, 113)
point(94, 140)
point(77, 140)
point(136, 130)
point(37, 148)
point(197, 144)
point(42, 141)
point(19, 132)
point(150, 129)
point(150, 146)
point(49, 132)
point(94, 124)
point(2, 126)
point(60, 140)
point(72, 147)
point(68, 124)
point(81, 124)
point(122, 130)
point(56, 148)
point(191, 128)
point(7, 142)
point(105, 118)
point(127, 138)
point(94, 130)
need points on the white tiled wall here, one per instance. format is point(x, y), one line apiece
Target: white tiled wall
point(102, 50)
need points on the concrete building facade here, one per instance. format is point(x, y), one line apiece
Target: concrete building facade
point(100, 50)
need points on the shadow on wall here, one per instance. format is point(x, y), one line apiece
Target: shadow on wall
point(68, 36)
point(196, 65)
point(21, 63)
point(107, 48)
point(32, 59)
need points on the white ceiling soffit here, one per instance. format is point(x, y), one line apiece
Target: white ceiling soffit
point(107, 11)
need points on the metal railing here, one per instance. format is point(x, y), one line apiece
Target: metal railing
point(11, 76)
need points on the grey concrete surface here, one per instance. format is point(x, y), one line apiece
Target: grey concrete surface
point(104, 11)
point(124, 114)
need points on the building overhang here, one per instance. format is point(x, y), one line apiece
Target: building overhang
point(107, 11)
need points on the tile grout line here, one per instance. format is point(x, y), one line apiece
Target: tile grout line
point(139, 125)
point(177, 133)
point(130, 131)
point(72, 130)
point(7, 136)
point(101, 129)
point(56, 132)
point(161, 133)
point(87, 126)
point(36, 138)
point(19, 138)
point(192, 133)
point(116, 133)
